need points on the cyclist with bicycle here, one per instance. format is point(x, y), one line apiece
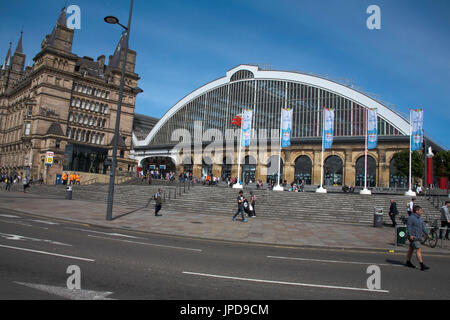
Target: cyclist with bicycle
point(416, 228)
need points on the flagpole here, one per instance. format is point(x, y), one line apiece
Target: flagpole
point(278, 187)
point(410, 192)
point(238, 184)
point(321, 189)
point(365, 190)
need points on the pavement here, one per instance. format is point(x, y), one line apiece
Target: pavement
point(205, 226)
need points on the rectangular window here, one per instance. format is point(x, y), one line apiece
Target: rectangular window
point(27, 128)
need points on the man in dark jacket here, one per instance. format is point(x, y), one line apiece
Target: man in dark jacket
point(158, 203)
point(393, 212)
point(240, 203)
point(416, 228)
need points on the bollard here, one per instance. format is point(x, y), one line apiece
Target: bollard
point(69, 193)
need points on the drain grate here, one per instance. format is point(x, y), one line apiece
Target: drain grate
point(197, 222)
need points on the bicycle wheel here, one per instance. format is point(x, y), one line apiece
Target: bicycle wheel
point(423, 239)
point(433, 239)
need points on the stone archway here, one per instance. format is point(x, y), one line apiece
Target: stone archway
point(333, 171)
point(371, 171)
point(303, 169)
point(160, 164)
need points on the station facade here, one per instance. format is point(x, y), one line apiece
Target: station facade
point(203, 119)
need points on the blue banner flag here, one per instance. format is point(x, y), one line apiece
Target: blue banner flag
point(247, 127)
point(328, 128)
point(372, 129)
point(286, 127)
point(416, 129)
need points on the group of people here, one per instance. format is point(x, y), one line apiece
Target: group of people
point(72, 178)
point(10, 179)
point(211, 180)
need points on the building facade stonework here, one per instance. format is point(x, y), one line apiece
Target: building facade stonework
point(202, 121)
point(65, 104)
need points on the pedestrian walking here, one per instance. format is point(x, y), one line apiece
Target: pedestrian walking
point(393, 211)
point(240, 203)
point(158, 203)
point(411, 206)
point(8, 183)
point(445, 220)
point(416, 228)
point(252, 205)
point(25, 184)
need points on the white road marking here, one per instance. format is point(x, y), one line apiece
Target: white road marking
point(284, 282)
point(148, 244)
point(45, 222)
point(335, 261)
point(14, 222)
point(76, 294)
point(9, 216)
point(47, 253)
point(107, 233)
point(20, 238)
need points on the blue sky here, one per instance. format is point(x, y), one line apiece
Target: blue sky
point(182, 45)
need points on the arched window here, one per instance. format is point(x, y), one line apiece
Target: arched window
point(333, 171)
point(303, 170)
point(188, 165)
point(242, 74)
point(226, 168)
point(371, 172)
point(396, 180)
point(272, 169)
point(249, 169)
point(207, 167)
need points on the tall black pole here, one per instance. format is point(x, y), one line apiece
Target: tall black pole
point(116, 130)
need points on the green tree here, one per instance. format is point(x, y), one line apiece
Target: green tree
point(441, 163)
point(417, 164)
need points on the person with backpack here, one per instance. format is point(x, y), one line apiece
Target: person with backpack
point(158, 203)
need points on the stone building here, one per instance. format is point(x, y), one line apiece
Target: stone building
point(65, 104)
point(197, 134)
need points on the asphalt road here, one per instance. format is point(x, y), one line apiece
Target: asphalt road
point(36, 252)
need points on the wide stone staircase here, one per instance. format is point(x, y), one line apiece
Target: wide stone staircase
point(298, 206)
point(332, 207)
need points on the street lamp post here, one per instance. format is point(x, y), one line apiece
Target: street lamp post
point(114, 20)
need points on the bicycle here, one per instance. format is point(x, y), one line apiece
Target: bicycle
point(432, 235)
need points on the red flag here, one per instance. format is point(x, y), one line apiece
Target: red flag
point(237, 120)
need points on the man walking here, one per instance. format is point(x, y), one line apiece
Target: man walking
point(415, 230)
point(393, 211)
point(445, 220)
point(411, 206)
point(158, 203)
point(25, 184)
point(240, 202)
point(8, 183)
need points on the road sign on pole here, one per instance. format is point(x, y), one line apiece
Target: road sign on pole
point(49, 158)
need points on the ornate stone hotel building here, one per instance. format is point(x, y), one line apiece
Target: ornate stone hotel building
point(65, 104)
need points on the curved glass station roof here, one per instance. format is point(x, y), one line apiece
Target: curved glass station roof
point(266, 92)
